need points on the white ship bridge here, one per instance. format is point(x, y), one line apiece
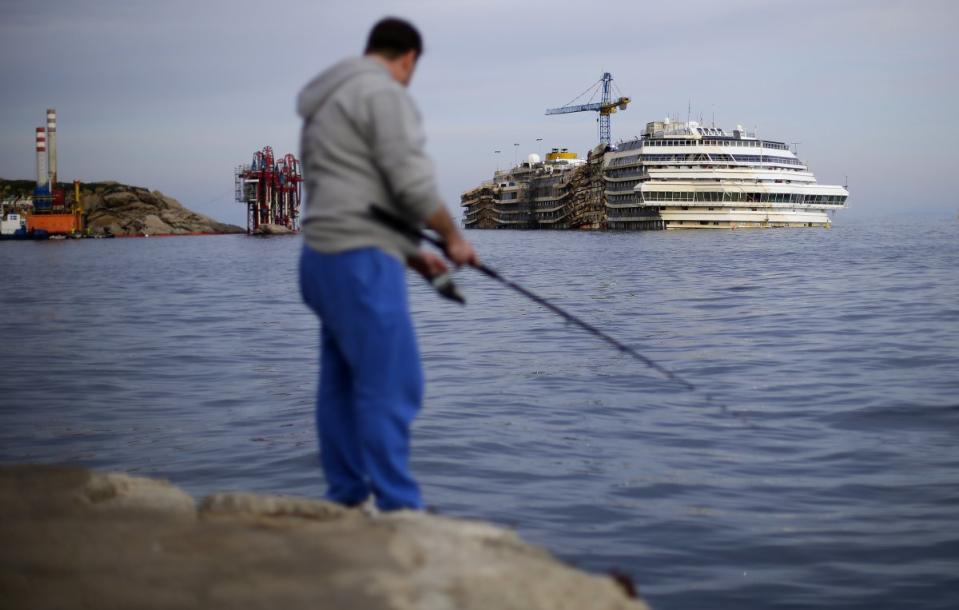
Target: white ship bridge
point(684, 175)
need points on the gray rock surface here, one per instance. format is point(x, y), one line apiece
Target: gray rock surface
point(77, 539)
point(132, 210)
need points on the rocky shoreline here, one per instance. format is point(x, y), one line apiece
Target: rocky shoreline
point(75, 538)
point(122, 209)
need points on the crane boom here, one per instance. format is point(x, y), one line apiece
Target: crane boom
point(608, 108)
point(605, 107)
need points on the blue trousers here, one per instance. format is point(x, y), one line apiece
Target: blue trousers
point(371, 381)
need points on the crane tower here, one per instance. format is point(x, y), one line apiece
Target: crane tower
point(606, 106)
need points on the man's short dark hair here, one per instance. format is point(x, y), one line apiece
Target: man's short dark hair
point(392, 37)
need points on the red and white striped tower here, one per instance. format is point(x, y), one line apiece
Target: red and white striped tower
point(42, 176)
point(52, 135)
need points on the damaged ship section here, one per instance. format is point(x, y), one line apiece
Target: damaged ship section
point(560, 192)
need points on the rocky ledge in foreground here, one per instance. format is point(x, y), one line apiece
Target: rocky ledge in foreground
point(121, 209)
point(75, 538)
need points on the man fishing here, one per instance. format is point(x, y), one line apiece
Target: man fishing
point(362, 143)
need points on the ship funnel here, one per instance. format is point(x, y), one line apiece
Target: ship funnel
point(52, 135)
point(42, 176)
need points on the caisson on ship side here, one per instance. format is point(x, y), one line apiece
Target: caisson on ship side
point(534, 194)
point(674, 176)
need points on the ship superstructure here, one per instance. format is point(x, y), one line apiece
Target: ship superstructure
point(674, 176)
point(689, 176)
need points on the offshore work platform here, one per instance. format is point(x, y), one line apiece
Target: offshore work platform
point(271, 190)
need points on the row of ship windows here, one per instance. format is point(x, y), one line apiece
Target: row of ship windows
point(799, 198)
point(638, 143)
point(730, 142)
point(620, 212)
point(700, 157)
point(556, 214)
point(622, 187)
point(704, 142)
point(740, 196)
point(724, 157)
point(624, 198)
point(766, 159)
point(629, 171)
point(642, 169)
point(631, 212)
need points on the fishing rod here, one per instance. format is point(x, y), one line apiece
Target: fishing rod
point(445, 287)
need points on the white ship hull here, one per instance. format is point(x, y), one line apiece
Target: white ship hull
point(738, 218)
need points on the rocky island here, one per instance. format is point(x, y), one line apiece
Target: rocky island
point(121, 209)
point(80, 539)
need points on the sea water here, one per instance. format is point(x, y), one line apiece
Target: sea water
point(817, 464)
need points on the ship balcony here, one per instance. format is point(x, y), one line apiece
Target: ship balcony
point(481, 210)
point(546, 199)
point(552, 219)
point(544, 209)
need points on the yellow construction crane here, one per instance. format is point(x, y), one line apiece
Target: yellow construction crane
point(606, 106)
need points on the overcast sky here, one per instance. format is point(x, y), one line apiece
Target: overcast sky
point(173, 95)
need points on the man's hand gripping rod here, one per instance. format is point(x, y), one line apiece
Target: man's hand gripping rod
point(401, 226)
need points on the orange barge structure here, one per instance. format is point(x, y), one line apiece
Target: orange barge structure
point(57, 220)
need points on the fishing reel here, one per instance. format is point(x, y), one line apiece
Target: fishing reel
point(444, 286)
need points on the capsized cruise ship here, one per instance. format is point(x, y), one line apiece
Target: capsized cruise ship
point(675, 176)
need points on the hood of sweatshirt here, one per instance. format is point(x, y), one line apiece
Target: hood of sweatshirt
point(318, 90)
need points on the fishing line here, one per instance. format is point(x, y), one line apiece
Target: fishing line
point(401, 226)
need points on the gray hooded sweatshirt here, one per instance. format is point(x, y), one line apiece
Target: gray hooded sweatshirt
point(362, 143)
